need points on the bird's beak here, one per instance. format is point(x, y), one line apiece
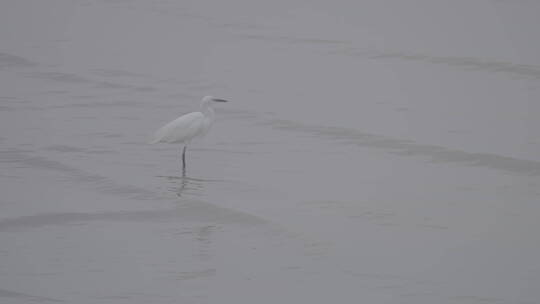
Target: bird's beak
point(219, 100)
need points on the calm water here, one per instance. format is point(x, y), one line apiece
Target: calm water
point(373, 152)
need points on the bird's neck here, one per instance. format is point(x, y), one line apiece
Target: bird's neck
point(208, 111)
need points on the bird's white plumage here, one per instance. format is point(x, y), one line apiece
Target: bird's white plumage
point(183, 129)
point(187, 127)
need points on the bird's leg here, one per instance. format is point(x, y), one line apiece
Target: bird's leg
point(184, 159)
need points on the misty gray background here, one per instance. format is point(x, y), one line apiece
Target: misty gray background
point(372, 152)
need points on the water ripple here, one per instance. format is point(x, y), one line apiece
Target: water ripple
point(101, 183)
point(469, 63)
point(198, 211)
point(402, 147)
point(23, 296)
point(8, 60)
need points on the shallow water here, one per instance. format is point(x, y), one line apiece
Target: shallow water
point(374, 152)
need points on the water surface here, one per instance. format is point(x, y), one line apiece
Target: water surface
point(373, 151)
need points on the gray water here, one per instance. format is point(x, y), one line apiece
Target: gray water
point(372, 152)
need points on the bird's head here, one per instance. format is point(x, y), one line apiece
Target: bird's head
point(207, 100)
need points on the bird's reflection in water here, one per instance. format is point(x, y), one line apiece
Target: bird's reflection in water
point(184, 185)
point(187, 185)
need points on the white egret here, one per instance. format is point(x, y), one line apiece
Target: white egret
point(187, 127)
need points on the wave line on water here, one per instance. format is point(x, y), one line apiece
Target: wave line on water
point(437, 154)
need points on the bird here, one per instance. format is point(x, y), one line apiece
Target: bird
point(188, 127)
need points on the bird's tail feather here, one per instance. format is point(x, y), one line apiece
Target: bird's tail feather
point(154, 140)
point(158, 136)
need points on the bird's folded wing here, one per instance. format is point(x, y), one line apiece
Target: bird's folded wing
point(181, 129)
